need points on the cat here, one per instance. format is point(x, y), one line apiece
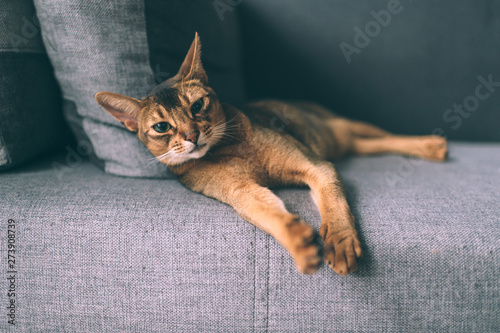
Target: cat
point(235, 155)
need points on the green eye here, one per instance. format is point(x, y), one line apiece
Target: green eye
point(197, 106)
point(162, 127)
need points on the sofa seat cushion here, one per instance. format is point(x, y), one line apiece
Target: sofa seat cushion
point(98, 252)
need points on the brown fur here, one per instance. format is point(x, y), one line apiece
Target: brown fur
point(241, 153)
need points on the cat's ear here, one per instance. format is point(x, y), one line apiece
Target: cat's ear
point(192, 67)
point(123, 108)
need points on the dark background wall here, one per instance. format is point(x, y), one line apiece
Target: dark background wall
point(425, 60)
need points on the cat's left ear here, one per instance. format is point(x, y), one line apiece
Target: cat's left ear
point(123, 108)
point(192, 67)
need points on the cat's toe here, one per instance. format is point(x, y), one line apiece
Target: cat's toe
point(306, 248)
point(342, 250)
point(434, 148)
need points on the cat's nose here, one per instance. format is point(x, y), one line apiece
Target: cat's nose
point(193, 136)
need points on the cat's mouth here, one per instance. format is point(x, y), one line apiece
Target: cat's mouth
point(197, 148)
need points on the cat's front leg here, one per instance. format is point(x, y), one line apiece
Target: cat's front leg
point(261, 207)
point(264, 209)
point(341, 243)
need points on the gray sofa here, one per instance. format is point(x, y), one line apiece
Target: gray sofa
point(96, 252)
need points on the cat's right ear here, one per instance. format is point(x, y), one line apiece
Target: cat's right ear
point(191, 66)
point(123, 108)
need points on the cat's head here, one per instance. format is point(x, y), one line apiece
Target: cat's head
point(180, 119)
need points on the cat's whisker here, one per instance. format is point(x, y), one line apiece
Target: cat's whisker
point(152, 160)
point(225, 131)
point(223, 126)
point(231, 120)
point(161, 158)
point(220, 130)
point(224, 122)
point(164, 155)
point(223, 137)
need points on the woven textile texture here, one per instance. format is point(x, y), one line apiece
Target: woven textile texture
point(103, 253)
point(100, 46)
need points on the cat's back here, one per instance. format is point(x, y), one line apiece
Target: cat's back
point(307, 122)
point(269, 113)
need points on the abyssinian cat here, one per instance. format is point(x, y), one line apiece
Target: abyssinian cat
point(236, 155)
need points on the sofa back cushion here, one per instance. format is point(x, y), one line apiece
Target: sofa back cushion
point(31, 120)
point(127, 47)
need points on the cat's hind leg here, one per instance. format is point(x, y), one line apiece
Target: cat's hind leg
point(431, 147)
point(345, 131)
point(365, 139)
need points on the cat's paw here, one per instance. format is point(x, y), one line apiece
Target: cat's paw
point(432, 147)
point(341, 249)
point(305, 247)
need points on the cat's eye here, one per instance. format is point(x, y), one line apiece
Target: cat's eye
point(162, 127)
point(197, 106)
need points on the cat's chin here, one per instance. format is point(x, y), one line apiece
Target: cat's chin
point(196, 153)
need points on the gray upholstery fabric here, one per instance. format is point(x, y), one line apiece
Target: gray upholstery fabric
point(103, 253)
point(407, 73)
point(31, 121)
point(101, 46)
